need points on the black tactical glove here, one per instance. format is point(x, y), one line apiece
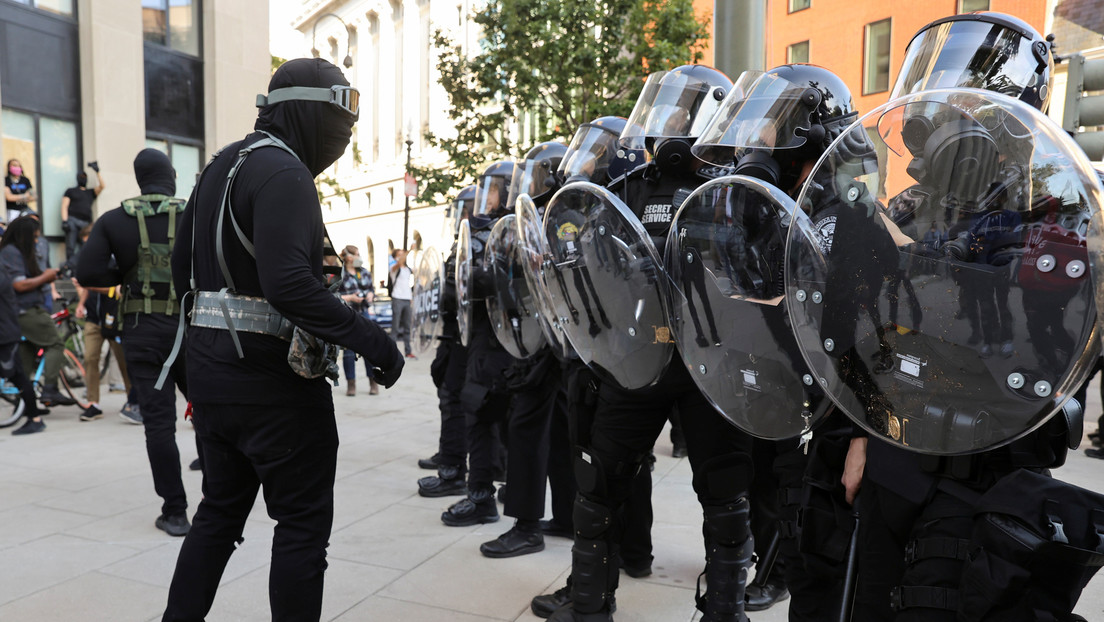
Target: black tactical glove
point(94, 166)
point(390, 376)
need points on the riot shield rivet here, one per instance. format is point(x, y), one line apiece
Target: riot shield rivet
point(632, 332)
point(689, 257)
point(829, 345)
point(785, 222)
point(1075, 268)
point(817, 297)
point(1042, 388)
point(852, 193)
point(1015, 380)
point(1046, 263)
point(823, 382)
point(801, 295)
point(701, 368)
point(601, 230)
point(807, 379)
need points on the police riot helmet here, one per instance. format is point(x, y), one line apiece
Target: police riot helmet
point(535, 175)
point(595, 156)
point(462, 207)
point(492, 189)
point(777, 121)
point(672, 110)
point(990, 51)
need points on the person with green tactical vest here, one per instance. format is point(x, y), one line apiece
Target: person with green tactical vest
point(140, 235)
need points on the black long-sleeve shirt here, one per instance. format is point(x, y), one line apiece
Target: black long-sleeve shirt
point(275, 202)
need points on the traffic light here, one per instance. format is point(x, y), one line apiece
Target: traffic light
point(1083, 110)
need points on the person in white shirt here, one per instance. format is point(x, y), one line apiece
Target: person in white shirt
point(402, 290)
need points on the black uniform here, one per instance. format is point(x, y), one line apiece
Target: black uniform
point(258, 422)
point(149, 336)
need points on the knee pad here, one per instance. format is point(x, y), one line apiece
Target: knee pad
point(591, 519)
point(728, 525)
point(721, 479)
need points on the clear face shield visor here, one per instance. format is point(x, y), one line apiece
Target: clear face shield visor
point(671, 106)
point(589, 154)
point(530, 178)
point(973, 54)
point(490, 195)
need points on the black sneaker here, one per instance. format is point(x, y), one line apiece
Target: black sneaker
point(546, 604)
point(637, 571)
point(194, 466)
point(449, 481)
point(477, 508)
point(431, 463)
point(91, 413)
point(763, 597)
point(52, 397)
point(30, 427)
point(176, 525)
point(1092, 452)
point(513, 543)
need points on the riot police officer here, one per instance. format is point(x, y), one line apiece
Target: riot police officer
point(671, 111)
point(484, 397)
point(448, 369)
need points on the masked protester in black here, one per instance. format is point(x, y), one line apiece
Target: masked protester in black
point(148, 321)
point(258, 422)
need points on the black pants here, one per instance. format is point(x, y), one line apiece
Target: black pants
point(485, 447)
point(291, 453)
point(453, 441)
point(145, 354)
point(885, 523)
point(527, 444)
point(561, 478)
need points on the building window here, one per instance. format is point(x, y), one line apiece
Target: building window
point(799, 5)
point(187, 160)
point(798, 53)
point(60, 7)
point(876, 57)
point(47, 148)
point(969, 6)
point(174, 24)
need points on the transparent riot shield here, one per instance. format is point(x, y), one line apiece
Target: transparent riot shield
point(464, 283)
point(604, 280)
point(725, 259)
point(533, 254)
point(939, 288)
point(429, 283)
point(513, 312)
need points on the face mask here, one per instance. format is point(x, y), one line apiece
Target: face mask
point(16, 171)
point(358, 262)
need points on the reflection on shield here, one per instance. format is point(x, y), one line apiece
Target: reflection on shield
point(429, 283)
point(512, 310)
point(939, 288)
point(464, 283)
point(604, 284)
point(725, 259)
point(533, 255)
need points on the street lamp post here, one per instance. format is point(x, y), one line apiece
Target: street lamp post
point(348, 62)
point(406, 210)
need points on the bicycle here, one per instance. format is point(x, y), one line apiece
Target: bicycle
point(11, 401)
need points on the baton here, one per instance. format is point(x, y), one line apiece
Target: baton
point(762, 575)
point(847, 602)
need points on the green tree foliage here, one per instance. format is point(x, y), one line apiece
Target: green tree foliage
point(567, 61)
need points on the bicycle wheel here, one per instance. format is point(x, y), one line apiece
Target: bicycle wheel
point(75, 337)
point(72, 378)
point(11, 404)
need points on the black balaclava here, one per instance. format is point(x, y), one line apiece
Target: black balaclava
point(318, 132)
point(82, 179)
point(154, 173)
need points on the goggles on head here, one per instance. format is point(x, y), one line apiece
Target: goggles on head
point(346, 98)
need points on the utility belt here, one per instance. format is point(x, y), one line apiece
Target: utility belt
point(249, 314)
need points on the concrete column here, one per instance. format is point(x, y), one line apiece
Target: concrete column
point(236, 67)
point(739, 28)
point(113, 109)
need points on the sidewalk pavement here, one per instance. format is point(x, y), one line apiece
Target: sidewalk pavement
point(80, 543)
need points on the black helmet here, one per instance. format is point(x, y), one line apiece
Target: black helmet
point(990, 51)
point(776, 121)
point(535, 175)
point(674, 108)
point(462, 207)
point(595, 156)
point(492, 189)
